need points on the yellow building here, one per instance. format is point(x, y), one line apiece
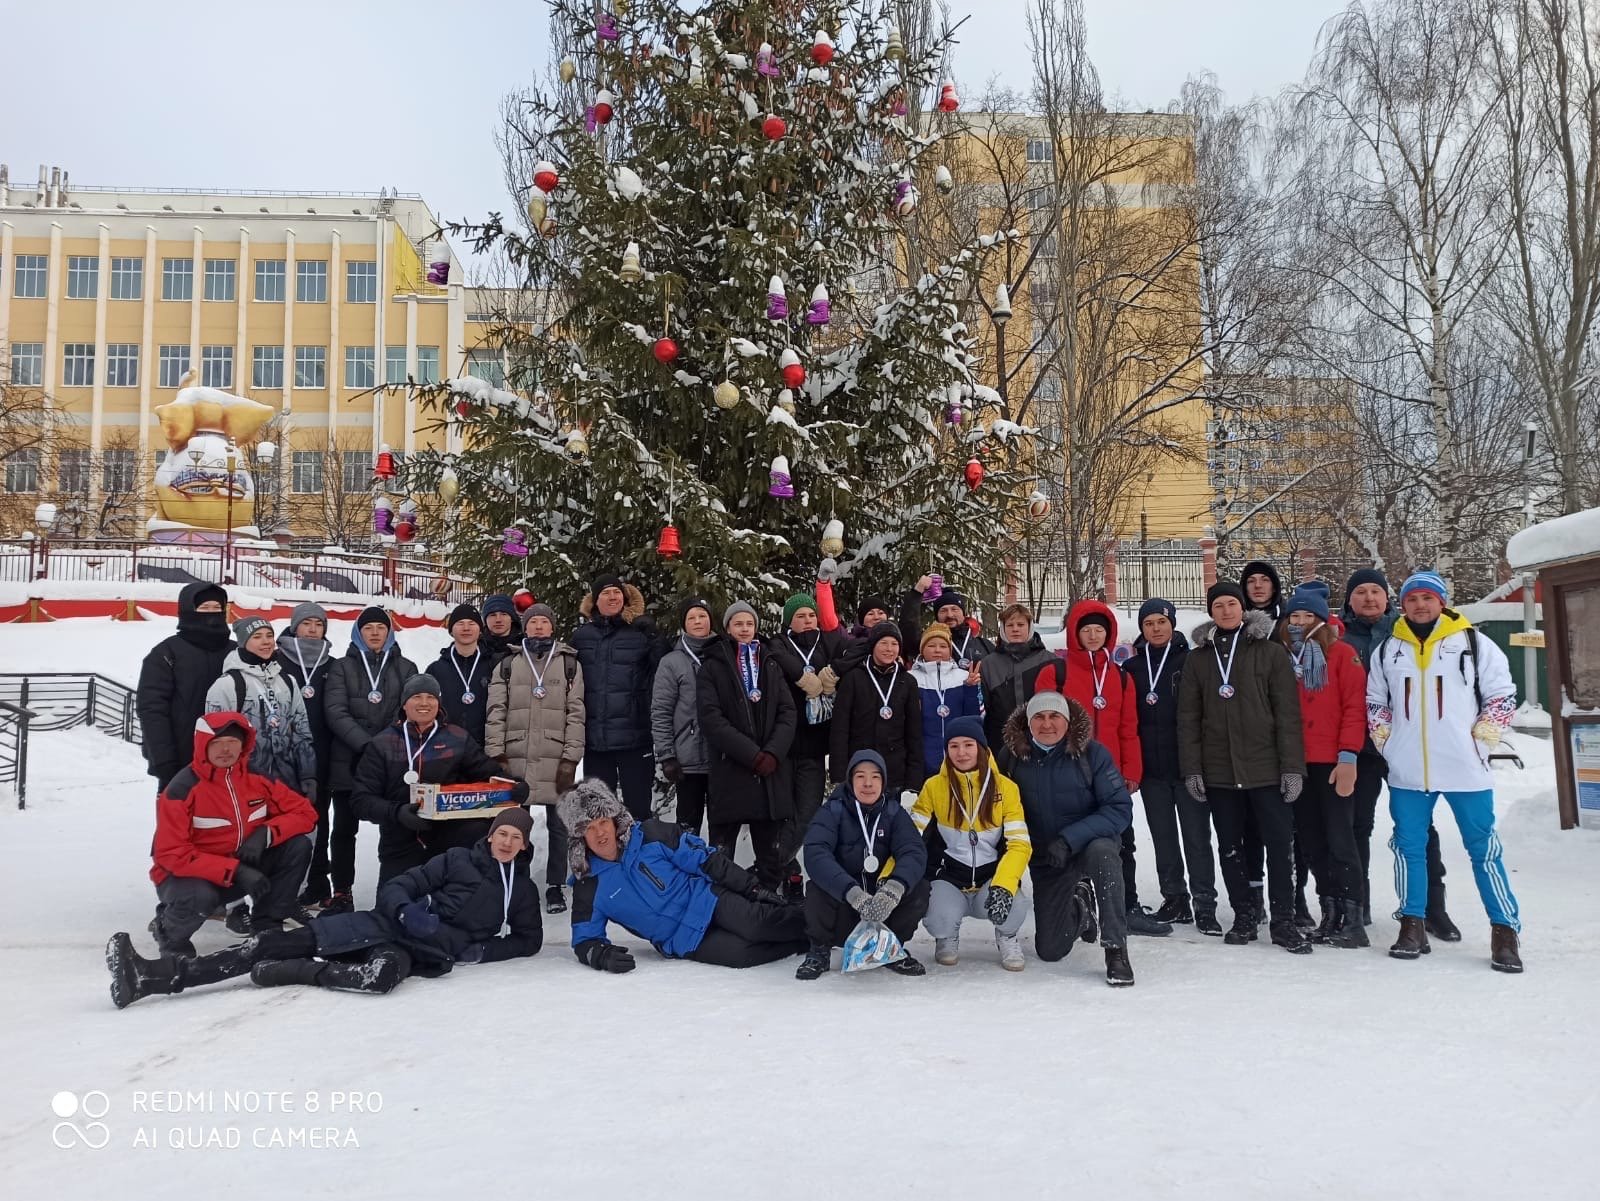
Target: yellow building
point(304, 301)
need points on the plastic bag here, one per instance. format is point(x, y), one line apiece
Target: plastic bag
point(819, 709)
point(870, 945)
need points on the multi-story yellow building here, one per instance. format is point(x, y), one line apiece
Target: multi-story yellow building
point(305, 301)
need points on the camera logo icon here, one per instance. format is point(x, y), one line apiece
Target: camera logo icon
point(93, 1133)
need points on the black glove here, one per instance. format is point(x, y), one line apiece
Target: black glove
point(1056, 853)
point(612, 958)
point(253, 847)
point(419, 919)
point(519, 792)
point(672, 770)
point(411, 818)
point(566, 773)
point(254, 881)
point(766, 764)
point(765, 896)
point(998, 904)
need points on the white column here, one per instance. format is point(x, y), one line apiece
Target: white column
point(288, 320)
point(411, 373)
point(97, 398)
point(149, 362)
point(335, 349)
point(6, 287)
point(197, 251)
point(380, 329)
point(239, 280)
point(456, 323)
point(52, 313)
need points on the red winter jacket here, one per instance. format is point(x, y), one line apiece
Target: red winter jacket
point(205, 813)
point(1116, 727)
point(1334, 717)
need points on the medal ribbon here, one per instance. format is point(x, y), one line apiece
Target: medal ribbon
point(414, 761)
point(466, 680)
point(883, 694)
point(1232, 650)
point(1155, 672)
point(382, 663)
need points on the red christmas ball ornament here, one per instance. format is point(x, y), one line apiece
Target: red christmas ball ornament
point(545, 176)
point(463, 408)
point(794, 372)
point(822, 49)
point(604, 107)
point(974, 474)
point(668, 546)
point(522, 600)
point(666, 351)
point(774, 127)
point(405, 529)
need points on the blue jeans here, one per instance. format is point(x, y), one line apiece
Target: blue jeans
point(1412, 812)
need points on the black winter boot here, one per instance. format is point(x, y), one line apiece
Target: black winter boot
point(238, 920)
point(1438, 922)
point(1366, 902)
point(1288, 935)
point(1348, 933)
point(815, 964)
point(382, 971)
point(1330, 916)
point(909, 966)
point(272, 973)
point(1088, 926)
point(133, 976)
point(169, 946)
point(1244, 929)
point(1504, 955)
point(219, 965)
point(1205, 920)
point(1258, 898)
point(1140, 921)
point(1174, 910)
point(1119, 972)
point(555, 899)
point(1413, 940)
point(1302, 913)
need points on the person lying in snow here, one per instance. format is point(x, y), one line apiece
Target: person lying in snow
point(660, 882)
point(473, 905)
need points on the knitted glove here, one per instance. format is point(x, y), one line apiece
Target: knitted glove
point(998, 904)
point(827, 571)
point(1486, 732)
point(829, 679)
point(1290, 784)
point(857, 898)
point(881, 904)
point(810, 683)
point(1195, 786)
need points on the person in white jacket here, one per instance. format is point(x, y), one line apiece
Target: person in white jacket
point(252, 682)
point(1438, 696)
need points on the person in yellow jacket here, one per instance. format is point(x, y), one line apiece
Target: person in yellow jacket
point(981, 849)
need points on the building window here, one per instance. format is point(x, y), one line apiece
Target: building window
point(1048, 247)
point(266, 367)
point(83, 277)
point(1042, 295)
point(359, 367)
point(487, 365)
point(356, 468)
point(361, 283)
point(427, 364)
point(177, 279)
point(221, 279)
point(306, 473)
point(27, 364)
point(33, 271)
point(72, 472)
point(1039, 150)
point(311, 282)
point(394, 364)
point(117, 470)
point(216, 366)
point(174, 361)
point(269, 280)
point(22, 471)
point(122, 365)
point(310, 367)
point(77, 361)
point(127, 279)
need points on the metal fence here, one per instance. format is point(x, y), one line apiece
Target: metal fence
point(60, 700)
point(1177, 574)
point(14, 721)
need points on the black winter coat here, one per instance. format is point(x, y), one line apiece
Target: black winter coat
point(1072, 791)
point(1007, 676)
point(618, 656)
point(857, 725)
point(789, 650)
point(380, 791)
point(467, 889)
point(1158, 723)
point(173, 682)
point(836, 845)
point(352, 718)
point(1253, 738)
point(736, 729)
point(471, 718)
point(967, 640)
point(316, 711)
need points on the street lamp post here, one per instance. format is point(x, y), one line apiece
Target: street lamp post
point(267, 484)
point(44, 516)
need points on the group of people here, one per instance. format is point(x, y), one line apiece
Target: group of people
point(957, 766)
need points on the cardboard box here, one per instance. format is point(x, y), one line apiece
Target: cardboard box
point(442, 802)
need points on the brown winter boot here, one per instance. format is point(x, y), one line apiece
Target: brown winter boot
point(1413, 940)
point(1503, 952)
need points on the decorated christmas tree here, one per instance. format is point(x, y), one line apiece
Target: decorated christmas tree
point(738, 371)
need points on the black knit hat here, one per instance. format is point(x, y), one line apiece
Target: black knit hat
point(371, 614)
point(869, 603)
point(884, 629)
point(693, 602)
point(419, 685)
point(463, 613)
point(602, 582)
point(516, 816)
point(1223, 588)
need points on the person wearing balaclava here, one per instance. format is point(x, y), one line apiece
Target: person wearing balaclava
point(174, 678)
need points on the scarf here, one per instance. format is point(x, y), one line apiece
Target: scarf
point(1313, 663)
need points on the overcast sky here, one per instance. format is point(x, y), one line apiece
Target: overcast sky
point(308, 94)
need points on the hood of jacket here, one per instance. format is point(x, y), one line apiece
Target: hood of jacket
point(358, 649)
point(1450, 622)
point(934, 676)
point(1262, 567)
point(1258, 626)
point(1080, 733)
point(209, 631)
point(1075, 618)
point(1020, 650)
point(632, 607)
point(206, 729)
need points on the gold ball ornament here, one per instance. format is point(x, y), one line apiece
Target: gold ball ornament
point(832, 544)
point(725, 395)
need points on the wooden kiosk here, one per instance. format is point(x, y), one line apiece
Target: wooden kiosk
point(1565, 553)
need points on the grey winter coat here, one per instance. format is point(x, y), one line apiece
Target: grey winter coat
point(284, 750)
point(352, 718)
point(535, 734)
point(674, 722)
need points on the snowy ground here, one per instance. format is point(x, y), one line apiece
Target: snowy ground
point(1226, 1073)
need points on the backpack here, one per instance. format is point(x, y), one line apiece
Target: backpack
point(569, 668)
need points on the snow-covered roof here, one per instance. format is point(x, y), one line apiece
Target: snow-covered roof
point(1562, 540)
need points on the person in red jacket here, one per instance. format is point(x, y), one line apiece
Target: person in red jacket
point(1088, 675)
point(1333, 720)
point(223, 833)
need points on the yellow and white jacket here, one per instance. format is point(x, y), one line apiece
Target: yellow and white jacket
point(975, 852)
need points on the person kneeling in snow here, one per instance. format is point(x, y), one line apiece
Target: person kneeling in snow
point(223, 833)
point(867, 863)
point(474, 905)
point(662, 883)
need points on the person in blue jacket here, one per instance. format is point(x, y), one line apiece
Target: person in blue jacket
point(948, 691)
point(1077, 805)
point(662, 883)
point(867, 862)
